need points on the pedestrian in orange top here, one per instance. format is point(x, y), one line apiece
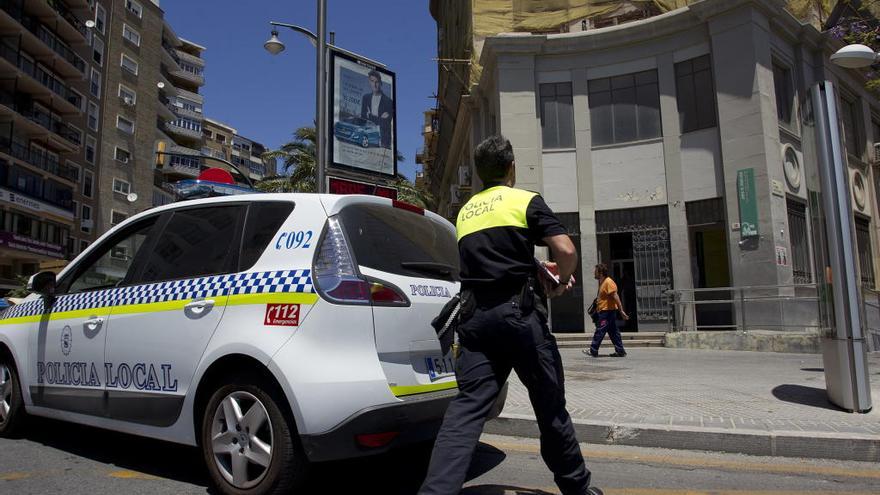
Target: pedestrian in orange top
point(607, 306)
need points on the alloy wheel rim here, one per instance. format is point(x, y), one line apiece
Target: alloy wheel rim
point(242, 440)
point(5, 393)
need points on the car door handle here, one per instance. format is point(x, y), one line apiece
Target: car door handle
point(93, 323)
point(199, 306)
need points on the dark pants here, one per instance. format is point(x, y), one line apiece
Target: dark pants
point(607, 322)
point(496, 339)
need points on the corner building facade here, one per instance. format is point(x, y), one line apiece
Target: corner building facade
point(639, 135)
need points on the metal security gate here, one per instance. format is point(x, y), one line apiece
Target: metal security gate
point(649, 228)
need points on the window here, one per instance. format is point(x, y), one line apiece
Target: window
point(129, 64)
point(383, 237)
point(75, 171)
point(91, 146)
point(117, 217)
point(797, 233)
point(849, 115)
point(76, 99)
point(221, 138)
point(695, 94)
point(121, 186)
point(263, 221)
point(83, 245)
point(85, 218)
point(135, 8)
point(866, 262)
point(131, 35)
point(98, 51)
point(192, 125)
point(128, 95)
point(624, 108)
point(100, 18)
point(557, 117)
point(122, 155)
point(88, 184)
point(784, 94)
point(95, 84)
point(93, 116)
point(124, 124)
point(209, 134)
point(108, 266)
point(195, 243)
point(183, 161)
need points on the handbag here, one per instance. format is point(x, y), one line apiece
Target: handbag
point(446, 323)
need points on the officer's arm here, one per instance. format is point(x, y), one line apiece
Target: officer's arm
point(564, 253)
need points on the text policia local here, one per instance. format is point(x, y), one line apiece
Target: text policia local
point(140, 376)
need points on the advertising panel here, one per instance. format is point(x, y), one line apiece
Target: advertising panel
point(363, 130)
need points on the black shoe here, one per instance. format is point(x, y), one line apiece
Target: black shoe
point(618, 354)
point(594, 491)
point(590, 352)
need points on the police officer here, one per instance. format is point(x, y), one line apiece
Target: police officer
point(504, 325)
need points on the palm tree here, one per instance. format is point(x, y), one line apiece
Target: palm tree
point(410, 193)
point(298, 159)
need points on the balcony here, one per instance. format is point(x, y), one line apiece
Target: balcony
point(24, 106)
point(187, 77)
point(67, 24)
point(20, 151)
point(71, 64)
point(69, 102)
point(177, 130)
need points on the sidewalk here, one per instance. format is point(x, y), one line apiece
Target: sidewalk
point(757, 403)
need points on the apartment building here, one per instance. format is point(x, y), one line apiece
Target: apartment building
point(49, 132)
point(641, 131)
point(223, 141)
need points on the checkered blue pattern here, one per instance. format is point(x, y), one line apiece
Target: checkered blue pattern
point(281, 281)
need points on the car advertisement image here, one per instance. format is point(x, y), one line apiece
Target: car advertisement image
point(363, 113)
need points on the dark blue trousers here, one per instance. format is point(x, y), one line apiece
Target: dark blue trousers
point(494, 341)
point(607, 324)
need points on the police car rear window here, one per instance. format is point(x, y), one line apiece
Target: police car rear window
point(401, 242)
point(263, 221)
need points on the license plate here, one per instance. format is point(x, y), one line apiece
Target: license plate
point(440, 367)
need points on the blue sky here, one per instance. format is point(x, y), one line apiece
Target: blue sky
point(266, 97)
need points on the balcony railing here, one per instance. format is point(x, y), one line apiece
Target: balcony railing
point(42, 161)
point(74, 21)
point(176, 129)
point(171, 51)
point(24, 106)
point(45, 34)
point(44, 78)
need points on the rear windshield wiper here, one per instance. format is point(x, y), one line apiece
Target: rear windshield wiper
point(429, 266)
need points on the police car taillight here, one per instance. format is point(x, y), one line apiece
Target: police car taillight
point(337, 279)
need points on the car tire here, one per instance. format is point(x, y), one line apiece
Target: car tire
point(365, 142)
point(12, 414)
point(236, 455)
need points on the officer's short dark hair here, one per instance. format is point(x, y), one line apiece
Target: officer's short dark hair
point(492, 159)
point(603, 269)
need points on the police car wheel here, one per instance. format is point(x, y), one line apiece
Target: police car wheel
point(11, 404)
point(247, 442)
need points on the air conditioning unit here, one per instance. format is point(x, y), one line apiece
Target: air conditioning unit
point(877, 152)
point(128, 100)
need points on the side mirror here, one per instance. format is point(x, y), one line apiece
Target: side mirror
point(42, 283)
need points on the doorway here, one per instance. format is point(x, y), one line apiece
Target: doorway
point(710, 266)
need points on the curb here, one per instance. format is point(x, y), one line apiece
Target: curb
point(816, 445)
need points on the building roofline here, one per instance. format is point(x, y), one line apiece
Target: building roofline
point(640, 31)
point(190, 43)
point(217, 123)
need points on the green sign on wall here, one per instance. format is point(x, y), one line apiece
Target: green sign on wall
point(748, 203)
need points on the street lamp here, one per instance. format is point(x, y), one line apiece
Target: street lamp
point(854, 56)
point(275, 46)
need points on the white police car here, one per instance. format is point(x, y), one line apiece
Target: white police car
point(269, 329)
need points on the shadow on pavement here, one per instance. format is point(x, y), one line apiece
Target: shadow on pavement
point(807, 396)
point(399, 472)
point(502, 490)
point(144, 455)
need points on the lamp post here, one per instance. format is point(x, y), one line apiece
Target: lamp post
point(275, 46)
